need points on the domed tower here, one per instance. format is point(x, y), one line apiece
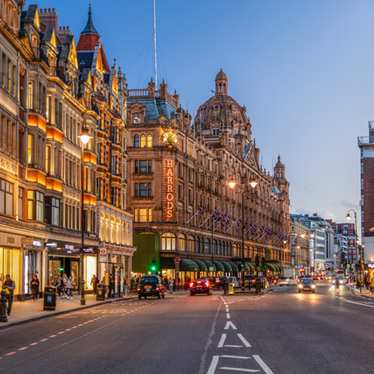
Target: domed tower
point(280, 176)
point(221, 121)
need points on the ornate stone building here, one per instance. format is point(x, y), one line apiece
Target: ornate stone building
point(186, 216)
point(50, 95)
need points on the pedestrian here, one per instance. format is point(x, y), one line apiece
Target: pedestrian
point(64, 282)
point(125, 286)
point(9, 286)
point(111, 286)
point(59, 285)
point(34, 285)
point(171, 285)
point(94, 283)
point(372, 285)
point(69, 288)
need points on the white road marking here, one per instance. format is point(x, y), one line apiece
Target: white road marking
point(229, 324)
point(239, 369)
point(23, 348)
point(238, 357)
point(43, 340)
point(61, 332)
point(32, 344)
point(357, 303)
point(11, 354)
point(244, 340)
point(52, 336)
point(222, 341)
point(228, 316)
point(213, 365)
point(262, 364)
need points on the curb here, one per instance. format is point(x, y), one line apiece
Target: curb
point(57, 313)
point(356, 293)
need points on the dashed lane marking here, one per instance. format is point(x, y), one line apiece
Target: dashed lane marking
point(23, 348)
point(357, 303)
point(228, 316)
point(229, 325)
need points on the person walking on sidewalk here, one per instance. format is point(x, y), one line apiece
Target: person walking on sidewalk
point(34, 285)
point(9, 286)
point(69, 288)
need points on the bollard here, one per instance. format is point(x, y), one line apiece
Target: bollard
point(3, 307)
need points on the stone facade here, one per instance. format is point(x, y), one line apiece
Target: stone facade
point(179, 193)
point(49, 95)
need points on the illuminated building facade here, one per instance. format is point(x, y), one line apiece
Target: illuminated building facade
point(48, 96)
point(186, 218)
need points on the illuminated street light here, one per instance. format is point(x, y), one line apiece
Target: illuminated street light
point(232, 183)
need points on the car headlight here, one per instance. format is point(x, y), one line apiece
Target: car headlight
point(341, 281)
point(300, 286)
point(313, 286)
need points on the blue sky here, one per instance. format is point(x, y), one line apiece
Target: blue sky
point(304, 70)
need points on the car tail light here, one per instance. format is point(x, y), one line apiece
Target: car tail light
point(157, 288)
point(207, 284)
point(191, 284)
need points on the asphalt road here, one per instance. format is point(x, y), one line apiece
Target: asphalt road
point(280, 333)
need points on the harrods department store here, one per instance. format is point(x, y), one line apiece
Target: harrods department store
point(187, 219)
point(53, 90)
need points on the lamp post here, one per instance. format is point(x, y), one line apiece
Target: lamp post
point(84, 138)
point(349, 217)
point(232, 184)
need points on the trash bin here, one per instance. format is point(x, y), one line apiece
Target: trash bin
point(101, 291)
point(50, 298)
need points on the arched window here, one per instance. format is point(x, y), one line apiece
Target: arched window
point(190, 244)
point(143, 141)
point(182, 242)
point(136, 141)
point(168, 242)
point(149, 141)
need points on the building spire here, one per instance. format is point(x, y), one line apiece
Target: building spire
point(90, 28)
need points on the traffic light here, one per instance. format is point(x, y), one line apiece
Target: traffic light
point(153, 267)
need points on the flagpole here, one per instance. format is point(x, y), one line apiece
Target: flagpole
point(155, 43)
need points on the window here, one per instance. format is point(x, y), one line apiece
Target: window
point(143, 141)
point(6, 198)
point(35, 206)
point(168, 242)
point(30, 95)
point(143, 166)
point(21, 193)
point(48, 159)
point(143, 190)
point(182, 242)
point(149, 141)
point(52, 211)
point(143, 215)
point(136, 141)
point(30, 141)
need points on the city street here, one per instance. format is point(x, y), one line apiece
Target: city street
point(280, 332)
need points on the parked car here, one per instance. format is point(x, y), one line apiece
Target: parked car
point(200, 286)
point(306, 284)
point(151, 285)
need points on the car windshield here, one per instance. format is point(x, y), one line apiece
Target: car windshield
point(307, 281)
point(149, 280)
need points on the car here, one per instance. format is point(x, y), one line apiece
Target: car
point(339, 281)
point(200, 286)
point(306, 284)
point(233, 281)
point(284, 281)
point(151, 285)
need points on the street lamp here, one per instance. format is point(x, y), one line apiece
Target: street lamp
point(84, 137)
point(232, 185)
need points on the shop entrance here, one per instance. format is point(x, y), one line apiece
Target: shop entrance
point(63, 265)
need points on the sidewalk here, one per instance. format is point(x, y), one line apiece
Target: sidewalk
point(364, 292)
point(27, 311)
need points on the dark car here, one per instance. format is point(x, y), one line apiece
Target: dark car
point(151, 285)
point(306, 284)
point(200, 286)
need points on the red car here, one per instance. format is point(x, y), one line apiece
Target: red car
point(200, 286)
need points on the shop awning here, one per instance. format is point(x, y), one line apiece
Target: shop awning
point(188, 265)
point(202, 265)
point(271, 267)
point(234, 267)
point(219, 266)
point(227, 266)
point(210, 265)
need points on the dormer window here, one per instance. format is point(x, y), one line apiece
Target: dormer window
point(136, 120)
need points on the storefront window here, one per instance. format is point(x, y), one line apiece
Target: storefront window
point(168, 242)
point(10, 263)
point(21, 192)
point(90, 267)
point(6, 198)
